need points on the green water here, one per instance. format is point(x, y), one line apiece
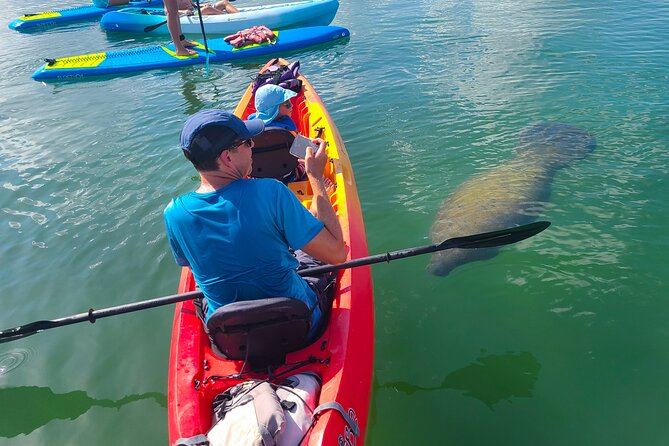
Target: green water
point(561, 339)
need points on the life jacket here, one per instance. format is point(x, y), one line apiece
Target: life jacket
point(257, 34)
point(282, 75)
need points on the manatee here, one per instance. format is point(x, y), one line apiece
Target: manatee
point(508, 195)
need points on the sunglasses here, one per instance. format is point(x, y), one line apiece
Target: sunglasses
point(248, 142)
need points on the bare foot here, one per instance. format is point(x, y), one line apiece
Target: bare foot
point(186, 52)
point(188, 43)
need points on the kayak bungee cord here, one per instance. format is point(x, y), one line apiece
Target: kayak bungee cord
point(271, 376)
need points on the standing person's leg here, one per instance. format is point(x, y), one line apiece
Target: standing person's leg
point(173, 25)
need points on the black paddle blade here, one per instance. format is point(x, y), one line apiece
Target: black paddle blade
point(148, 29)
point(495, 238)
point(8, 337)
point(12, 334)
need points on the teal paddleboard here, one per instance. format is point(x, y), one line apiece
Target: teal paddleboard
point(151, 57)
point(275, 16)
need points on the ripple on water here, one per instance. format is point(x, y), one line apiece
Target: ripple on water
point(12, 359)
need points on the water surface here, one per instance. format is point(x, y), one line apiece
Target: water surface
point(560, 339)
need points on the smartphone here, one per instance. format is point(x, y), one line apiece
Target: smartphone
point(299, 147)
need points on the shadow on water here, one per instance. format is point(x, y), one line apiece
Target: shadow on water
point(189, 91)
point(191, 87)
point(27, 408)
point(490, 379)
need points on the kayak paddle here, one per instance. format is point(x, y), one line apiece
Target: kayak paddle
point(148, 29)
point(484, 240)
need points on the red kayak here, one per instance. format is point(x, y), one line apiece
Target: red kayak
point(342, 356)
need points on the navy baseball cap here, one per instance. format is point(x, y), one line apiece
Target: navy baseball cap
point(223, 129)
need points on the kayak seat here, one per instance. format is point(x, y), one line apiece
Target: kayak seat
point(260, 331)
point(271, 154)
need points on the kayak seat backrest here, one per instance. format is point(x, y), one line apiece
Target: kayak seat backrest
point(271, 154)
point(260, 331)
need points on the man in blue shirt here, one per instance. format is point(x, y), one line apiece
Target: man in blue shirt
point(236, 233)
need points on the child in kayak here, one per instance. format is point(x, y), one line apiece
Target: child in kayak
point(273, 106)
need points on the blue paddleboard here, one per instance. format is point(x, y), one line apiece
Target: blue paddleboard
point(51, 18)
point(157, 56)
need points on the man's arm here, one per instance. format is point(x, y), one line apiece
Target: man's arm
point(328, 245)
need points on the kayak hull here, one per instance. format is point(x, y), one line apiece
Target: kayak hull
point(343, 353)
point(279, 16)
point(47, 19)
point(152, 57)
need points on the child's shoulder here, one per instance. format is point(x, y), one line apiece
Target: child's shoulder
point(284, 122)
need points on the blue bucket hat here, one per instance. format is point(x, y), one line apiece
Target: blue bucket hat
point(268, 99)
point(223, 130)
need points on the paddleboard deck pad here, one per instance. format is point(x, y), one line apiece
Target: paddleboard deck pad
point(164, 56)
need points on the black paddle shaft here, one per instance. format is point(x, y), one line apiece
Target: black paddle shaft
point(485, 240)
point(93, 315)
point(204, 35)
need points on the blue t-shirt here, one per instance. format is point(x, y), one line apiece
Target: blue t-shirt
point(236, 242)
point(284, 122)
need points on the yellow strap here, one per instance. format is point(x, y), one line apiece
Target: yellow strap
point(193, 56)
point(83, 61)
point(40, 16)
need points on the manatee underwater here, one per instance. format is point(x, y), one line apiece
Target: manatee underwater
point(508, 195)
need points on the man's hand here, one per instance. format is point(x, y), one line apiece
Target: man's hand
point(314, 163)
point(328, 245)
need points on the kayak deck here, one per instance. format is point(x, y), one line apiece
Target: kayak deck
point(342, 356)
